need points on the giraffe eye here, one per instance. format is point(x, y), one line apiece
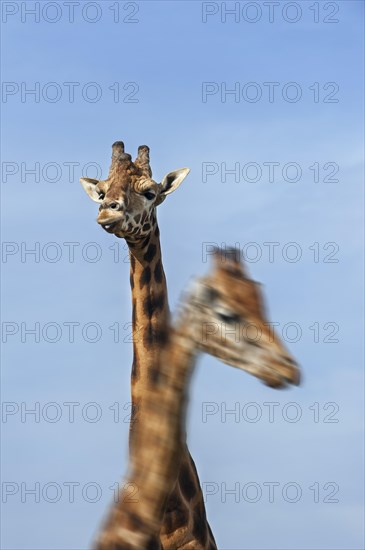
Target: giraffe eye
point(228, 317)
point(149, 195)
point(101, 196)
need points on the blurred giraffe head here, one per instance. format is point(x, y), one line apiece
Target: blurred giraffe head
point(129, 196)
point(226, 313)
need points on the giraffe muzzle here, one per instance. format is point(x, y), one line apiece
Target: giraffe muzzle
point(283, 376)
point(109, 218)
point(109, 227)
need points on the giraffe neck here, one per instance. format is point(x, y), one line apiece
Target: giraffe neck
point(157, 450)
point(159, 438)
point(150, 314)
point(150, 325)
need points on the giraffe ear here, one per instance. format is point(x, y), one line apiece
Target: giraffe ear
point(202, 293)
point(91, 187)
point(171, 182)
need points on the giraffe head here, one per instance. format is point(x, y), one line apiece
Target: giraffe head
point(227, 317)
point(129, 196)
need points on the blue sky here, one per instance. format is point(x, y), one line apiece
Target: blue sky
point(163, 60)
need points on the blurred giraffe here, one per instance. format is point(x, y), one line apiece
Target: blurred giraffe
point(211, 319)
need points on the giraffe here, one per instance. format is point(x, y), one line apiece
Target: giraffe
point(213, 313)
point(128, 199)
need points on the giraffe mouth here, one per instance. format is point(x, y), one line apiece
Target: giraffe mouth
point(282, 381)
point(270, 376)
point(278, 382)
point(109, 227)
